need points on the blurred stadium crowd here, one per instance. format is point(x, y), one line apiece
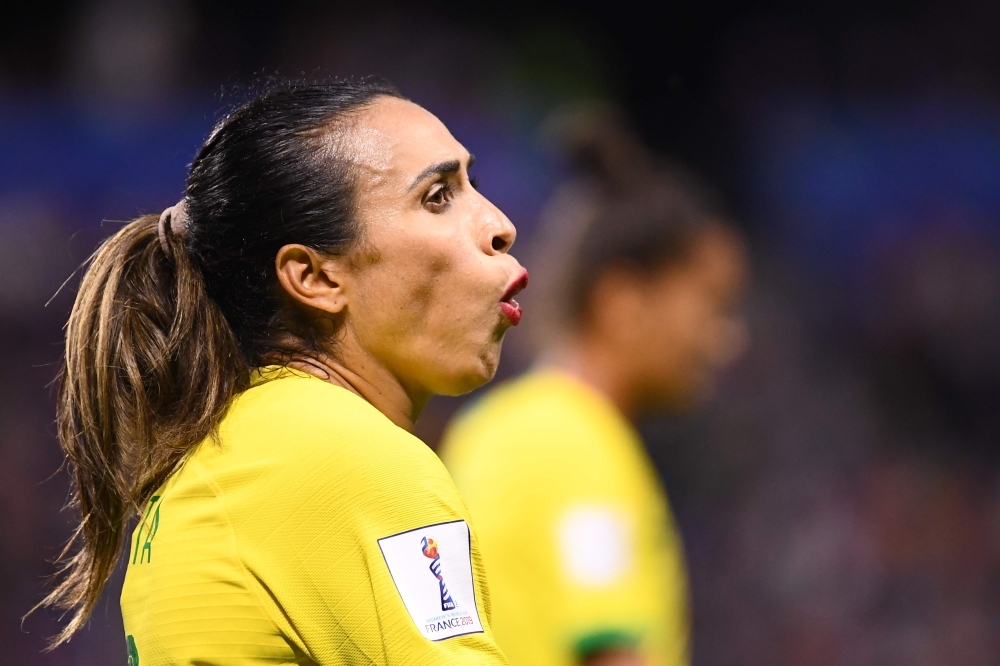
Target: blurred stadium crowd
point(839, 499)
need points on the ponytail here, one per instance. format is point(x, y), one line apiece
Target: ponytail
point(151, 366)
point(175, 311)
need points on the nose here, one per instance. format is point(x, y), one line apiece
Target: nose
point(498, 232)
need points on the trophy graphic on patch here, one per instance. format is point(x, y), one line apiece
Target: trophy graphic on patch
point(430, 549)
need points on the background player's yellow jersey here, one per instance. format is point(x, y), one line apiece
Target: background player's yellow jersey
point(576, 532)
point(313, 532)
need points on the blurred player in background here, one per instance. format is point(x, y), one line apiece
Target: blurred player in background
point(642, 273)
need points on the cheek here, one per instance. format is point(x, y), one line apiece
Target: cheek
point(443, 289)
point(402, 290)
point(678, 329)
point(425, 299)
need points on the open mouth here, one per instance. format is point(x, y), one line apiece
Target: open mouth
point(510, 308)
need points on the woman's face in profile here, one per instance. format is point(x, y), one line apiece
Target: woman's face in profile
point(432, 278)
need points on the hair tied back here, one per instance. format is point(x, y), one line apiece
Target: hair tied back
point(173, 220)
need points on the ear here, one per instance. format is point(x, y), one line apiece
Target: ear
point(312, 279)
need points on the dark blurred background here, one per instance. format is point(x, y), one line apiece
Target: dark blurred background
point(840, 499)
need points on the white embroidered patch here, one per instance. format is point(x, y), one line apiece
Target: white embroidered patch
point(595, 544)
point(432, 569)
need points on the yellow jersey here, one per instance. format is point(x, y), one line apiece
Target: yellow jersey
point(311, 531)
point(575, 529)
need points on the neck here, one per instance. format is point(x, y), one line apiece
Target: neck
point(357, 371)
point(596, 365)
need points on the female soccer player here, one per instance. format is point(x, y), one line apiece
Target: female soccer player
point(242, 371)
point(584, 561)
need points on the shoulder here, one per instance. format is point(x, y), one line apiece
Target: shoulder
point(298, 441)
point(526, 407)
point(304, 418)
point(540, 416)
point(542, 438)
point(307, 404)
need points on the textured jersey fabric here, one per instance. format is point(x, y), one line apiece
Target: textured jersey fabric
point(263, 548)
point(574, 526)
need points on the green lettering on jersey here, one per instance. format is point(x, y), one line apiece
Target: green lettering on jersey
point(146, 554)
point(133, 653)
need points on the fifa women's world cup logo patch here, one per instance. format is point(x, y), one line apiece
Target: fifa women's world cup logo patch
point(442, 605)
point(430, 550)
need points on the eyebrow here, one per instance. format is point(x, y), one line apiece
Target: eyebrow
point(449, 166)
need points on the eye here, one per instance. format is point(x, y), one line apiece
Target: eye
point(474, 181)
point(439, 198)
point(438, 195)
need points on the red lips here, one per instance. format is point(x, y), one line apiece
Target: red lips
point(510, 308)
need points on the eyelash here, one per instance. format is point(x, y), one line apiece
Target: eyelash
point(447, 191)
point(445, 194)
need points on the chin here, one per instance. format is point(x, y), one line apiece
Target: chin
point(471, 376)
point(691, 398)
point(672, 398)
point(472, 380)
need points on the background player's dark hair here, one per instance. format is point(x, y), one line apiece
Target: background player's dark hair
point(158, 344)
point(646, 228)
point(623, 206)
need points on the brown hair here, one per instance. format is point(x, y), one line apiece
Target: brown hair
point(150, 367)
point(624, 206)
point(168, 325)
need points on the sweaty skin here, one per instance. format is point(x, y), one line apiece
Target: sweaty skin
point(416, 306)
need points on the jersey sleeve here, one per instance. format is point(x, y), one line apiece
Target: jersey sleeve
point(360, 548)
point(596, 555)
